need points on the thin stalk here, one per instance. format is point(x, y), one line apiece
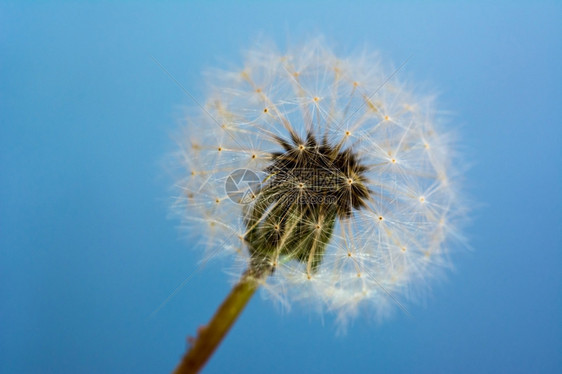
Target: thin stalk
point(211, 335)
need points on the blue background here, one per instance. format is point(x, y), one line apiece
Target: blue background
point(88, 253)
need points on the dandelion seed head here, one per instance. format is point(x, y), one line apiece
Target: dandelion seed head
point(355, 205)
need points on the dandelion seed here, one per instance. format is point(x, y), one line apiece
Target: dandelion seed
point(350, 207)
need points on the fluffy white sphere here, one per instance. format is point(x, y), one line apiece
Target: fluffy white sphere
point(387, 247)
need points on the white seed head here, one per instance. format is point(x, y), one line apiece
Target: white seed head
point(374, 222)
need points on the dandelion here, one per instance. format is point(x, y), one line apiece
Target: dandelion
point(325, 178)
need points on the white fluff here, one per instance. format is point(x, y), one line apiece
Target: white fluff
point(382, 254)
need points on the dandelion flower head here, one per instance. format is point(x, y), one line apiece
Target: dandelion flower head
point(353, 203)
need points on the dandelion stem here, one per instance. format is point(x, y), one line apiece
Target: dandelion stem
point(211, 335)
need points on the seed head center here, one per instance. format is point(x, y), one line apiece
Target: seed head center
point(308, 182)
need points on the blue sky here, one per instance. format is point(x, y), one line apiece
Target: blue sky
point(87, 249)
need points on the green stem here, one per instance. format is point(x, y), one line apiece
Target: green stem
point(210, 336)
